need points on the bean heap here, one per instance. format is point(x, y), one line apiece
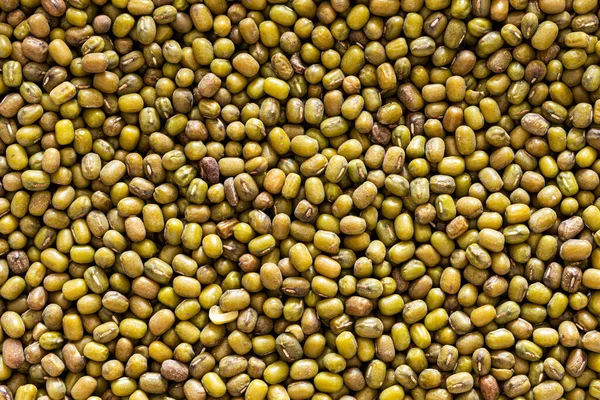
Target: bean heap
point(306, 199)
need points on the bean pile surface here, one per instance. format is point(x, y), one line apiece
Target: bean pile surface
point(306, 199)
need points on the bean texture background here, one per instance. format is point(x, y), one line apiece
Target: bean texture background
point(306, 199)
